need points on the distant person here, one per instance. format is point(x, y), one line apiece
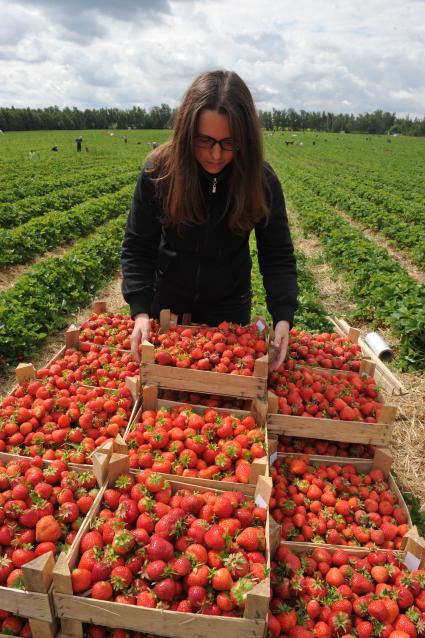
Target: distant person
point(79, 141)
point(87, 149)
point(31, 153)
point(154, 145)
point(125, 139)
point(54, 148)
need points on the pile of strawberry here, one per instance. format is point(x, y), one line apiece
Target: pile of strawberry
point(323, 595)
point(292, 444)
point(11, 625)
point(336, 505)
point(209, 400)
point(41, 509)
point(57, 419)
point(229, 348)
point(209, 446)
point(112, 330)
point(340, 396)
point(326, 350)
point(187, 551)
point(95, 366)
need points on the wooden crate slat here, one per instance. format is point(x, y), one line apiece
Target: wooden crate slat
point(347, 431)
point(26, 603)
point(156, 621)
point(188, 380)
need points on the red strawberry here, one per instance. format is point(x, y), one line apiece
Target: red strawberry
point(404, 623)
point(47, 529)
point(146, 599)
point(252, 539)
point(215, 538)
point(102, 590)
point(159, 549)
point(222, 579)
point(165, 589)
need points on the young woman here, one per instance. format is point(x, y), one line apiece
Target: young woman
point(196, 201)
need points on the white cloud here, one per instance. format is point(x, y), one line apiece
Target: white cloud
point(312, 54)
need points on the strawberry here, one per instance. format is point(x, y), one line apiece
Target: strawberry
point(215, 538)
point(123, 541)
point(102, 590)
point(404, 623)
point(222, 579)
point(121, 577)
point(146, 599)
point(364, 629)
point(240, 591)
point(47, 529)
point(378, 610)
point(165, 589)
point(340, 623)
point(252, 539)
point(159, 549)
point(197, 596)
point(286, 617)
point(81, 580)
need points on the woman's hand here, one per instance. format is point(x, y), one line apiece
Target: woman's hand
point(141, 330)
point(280, 343)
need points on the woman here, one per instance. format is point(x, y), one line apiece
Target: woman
point(196, 201)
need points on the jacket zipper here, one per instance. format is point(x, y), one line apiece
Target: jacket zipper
point(198, 270)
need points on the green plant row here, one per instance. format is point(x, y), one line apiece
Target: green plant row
point(403, 233)
point(310, 314)
point(409, 205)
point(49, 181)
point(384, 293)
point(16, 213)
point(20, 245)
point(39, 301)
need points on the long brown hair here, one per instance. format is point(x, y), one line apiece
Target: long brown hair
point(177, 171)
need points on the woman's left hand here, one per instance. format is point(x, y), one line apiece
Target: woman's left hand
point(281, 336)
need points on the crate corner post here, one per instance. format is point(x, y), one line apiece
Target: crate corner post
point(100, 306)
point(25, 372)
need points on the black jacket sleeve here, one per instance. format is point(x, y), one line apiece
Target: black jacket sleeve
point(276, 257)
point(140, 247)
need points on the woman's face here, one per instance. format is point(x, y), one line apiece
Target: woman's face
point(213, 126)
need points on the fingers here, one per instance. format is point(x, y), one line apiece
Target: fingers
point(134, 341)
point(140, 333)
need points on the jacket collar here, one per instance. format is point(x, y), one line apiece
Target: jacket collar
point(218, 177)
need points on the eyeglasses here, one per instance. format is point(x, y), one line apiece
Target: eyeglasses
point(205, 141)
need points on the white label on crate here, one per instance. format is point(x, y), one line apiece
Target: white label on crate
point(273, 458)
point(260, 325)
point(412, 562)
point(259, 501)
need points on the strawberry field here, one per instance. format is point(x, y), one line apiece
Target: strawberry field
point(198, 491)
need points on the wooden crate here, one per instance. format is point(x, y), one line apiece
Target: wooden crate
point(27, 372)
point(36, 603)
point(347, 431)
point(384, 376)
point(186, 379)
point(150, 401)
point(382, 460)
point(75, 610)
point(412, 549)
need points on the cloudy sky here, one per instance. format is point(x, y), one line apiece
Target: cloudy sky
point(335, 55)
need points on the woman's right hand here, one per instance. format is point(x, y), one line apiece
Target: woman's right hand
point(141, 330)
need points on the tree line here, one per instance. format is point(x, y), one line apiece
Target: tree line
point(161, 117)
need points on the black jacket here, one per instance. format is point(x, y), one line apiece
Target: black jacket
point(208, 265)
